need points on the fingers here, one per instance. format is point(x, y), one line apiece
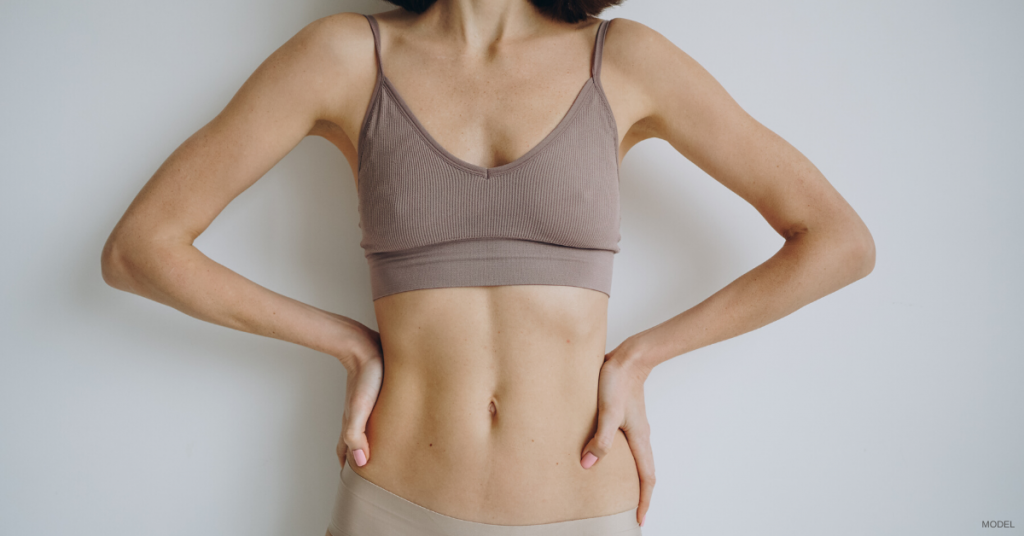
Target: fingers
point(354, 434)
point(601, 444)
point(640, 445)
point(362, 389)
point(342, 450)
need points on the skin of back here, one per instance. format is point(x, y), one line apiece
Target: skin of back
point(491, 393)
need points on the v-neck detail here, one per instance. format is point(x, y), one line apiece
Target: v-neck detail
point(385, 85)
point(487, 172)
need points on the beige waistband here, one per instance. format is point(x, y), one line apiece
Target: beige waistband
point(364, 509)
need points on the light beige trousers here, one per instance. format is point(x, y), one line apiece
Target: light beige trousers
point(363, 508)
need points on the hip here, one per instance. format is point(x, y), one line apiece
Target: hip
point(503, 450)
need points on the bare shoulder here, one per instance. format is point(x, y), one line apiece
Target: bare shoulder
point(634, 61)
point(652, 73)
point(340, 57)
point(340, 49)
point(673, 97)
point(340, 32)
point(325, 65)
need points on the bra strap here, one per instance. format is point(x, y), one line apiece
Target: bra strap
point(595, 69)
point(376, 40)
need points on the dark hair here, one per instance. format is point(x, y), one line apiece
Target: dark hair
point(565, 10)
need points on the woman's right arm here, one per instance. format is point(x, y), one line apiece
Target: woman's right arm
point(321, 72)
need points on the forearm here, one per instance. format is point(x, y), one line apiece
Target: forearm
point(182, 277)
point(807, 268)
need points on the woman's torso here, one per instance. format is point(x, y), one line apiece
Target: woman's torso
point(489, 396)
point(490, 393)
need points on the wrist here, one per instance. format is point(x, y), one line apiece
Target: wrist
point(353, 343)
point(633, 355)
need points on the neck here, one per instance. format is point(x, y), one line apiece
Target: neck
point(479, 24)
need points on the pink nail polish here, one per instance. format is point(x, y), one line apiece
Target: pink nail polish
point(360, 457)
point(588, 460)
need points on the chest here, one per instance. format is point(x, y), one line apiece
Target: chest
point(488, 120)
point(413, 191)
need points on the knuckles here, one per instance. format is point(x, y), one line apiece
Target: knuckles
point(604, 444)
point(351, 437)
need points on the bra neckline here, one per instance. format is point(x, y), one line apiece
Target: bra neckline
point(487, 172)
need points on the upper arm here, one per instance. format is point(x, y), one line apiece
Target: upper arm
point(685, 106)
point(304, 80)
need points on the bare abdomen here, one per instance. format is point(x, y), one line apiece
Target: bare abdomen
point(486, 406)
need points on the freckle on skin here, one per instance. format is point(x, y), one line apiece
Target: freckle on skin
point(431, 444)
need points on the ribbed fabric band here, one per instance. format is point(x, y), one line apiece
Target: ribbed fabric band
point(432, 220)
point(485, 262)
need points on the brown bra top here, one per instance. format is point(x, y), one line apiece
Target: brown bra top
point(432, 220)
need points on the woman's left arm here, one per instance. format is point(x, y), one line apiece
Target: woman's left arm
point(827, 246)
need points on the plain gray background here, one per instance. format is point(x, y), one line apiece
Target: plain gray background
point(892, 407)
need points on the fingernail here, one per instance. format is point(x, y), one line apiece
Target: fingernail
point(588, 460)
point(642, 519)
point(360, 457)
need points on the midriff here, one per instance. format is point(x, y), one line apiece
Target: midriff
point(488, 399)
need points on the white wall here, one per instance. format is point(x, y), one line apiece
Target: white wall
point(891, 407)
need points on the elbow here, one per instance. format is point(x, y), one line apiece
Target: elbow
point(869, 255)
point(861, 257)
point(114, 265)
point(853, 247)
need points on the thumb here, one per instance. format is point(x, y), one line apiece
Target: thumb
point(601, 443)
point(354, 434)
